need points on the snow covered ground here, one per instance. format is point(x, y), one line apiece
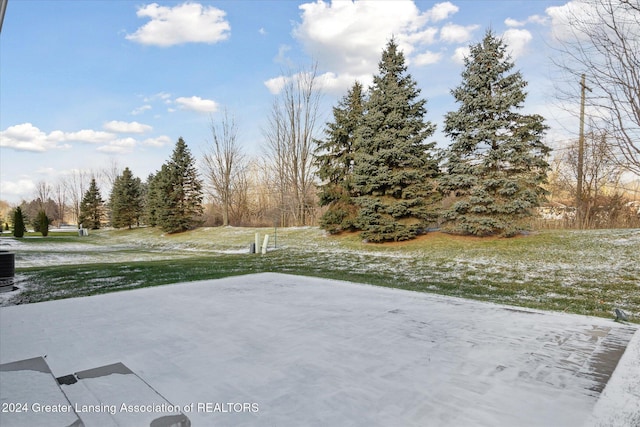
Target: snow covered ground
point(39, 252)
point(273, 349)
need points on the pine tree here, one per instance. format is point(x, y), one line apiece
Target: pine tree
point(334, 159)
point(92, 207)
point(496, 162)
point(180, 192)
point(394, 168)
point(18, 223)
point(126, 200)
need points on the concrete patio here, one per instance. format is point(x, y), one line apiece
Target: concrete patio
point(280, 350)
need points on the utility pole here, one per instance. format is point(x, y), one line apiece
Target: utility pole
point(579, 202)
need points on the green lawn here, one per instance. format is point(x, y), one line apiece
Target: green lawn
point(585, 272)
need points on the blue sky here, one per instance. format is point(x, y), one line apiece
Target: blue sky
point(88, 84)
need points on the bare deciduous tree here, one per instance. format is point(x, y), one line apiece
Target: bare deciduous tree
point(262, 196)
point(601, 38)
point(76, 185)
point(60, 197)
point(42, 193)
point(224, 164)
point(290, 144)
point(601, 173)
point(107, 175)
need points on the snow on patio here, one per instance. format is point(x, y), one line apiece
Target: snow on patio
point(273, 349)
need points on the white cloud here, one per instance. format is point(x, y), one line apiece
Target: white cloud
point(164, 96)
point(516, 41)
point(262, 31)
point(563, 17)
point(160, 97)
point(329, 81)
point(340, 83)
point(184, 23)
point(427, 36)
point(126, 127)
point(347, 37)
point(17, 188)
point(452, 33)
point(460, 54)
point(281, 57)
point(140, 109)
point(427, 58)
point(195, 103)
point(159, 141)
point(350, 35)
point(442, 11)
point(47, 171)
point(118, 146)
point(276, 84)
point(27, 137)
point(509, 22)
point(89, 136)
point(535, 19)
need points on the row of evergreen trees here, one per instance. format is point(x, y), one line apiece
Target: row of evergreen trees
point(170, 199)
point(380, 173)
point(383, 177)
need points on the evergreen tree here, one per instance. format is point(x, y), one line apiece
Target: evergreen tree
point(180, 192)
point(394, 170)
point(335, 158)
point(496, 162)
point(35, 224)
point(43, 223)
point(92, 207)
point(152, 200)
point(18, 223)
point(126, 200)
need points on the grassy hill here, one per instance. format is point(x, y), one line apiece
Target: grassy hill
point(586, 272)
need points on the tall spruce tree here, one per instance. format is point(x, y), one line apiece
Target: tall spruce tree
point(395, 169)
point(334, 159)
point(92, 207)
point(126, 200)
point(179, 194)
point(18, 223)
point(496, 163)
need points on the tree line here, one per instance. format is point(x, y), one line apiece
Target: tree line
point(375, 170)
point(170, 199)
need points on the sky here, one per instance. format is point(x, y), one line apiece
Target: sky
point(89, 85)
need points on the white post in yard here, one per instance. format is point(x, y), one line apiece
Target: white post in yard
point(265, 243)
point(257, 242)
